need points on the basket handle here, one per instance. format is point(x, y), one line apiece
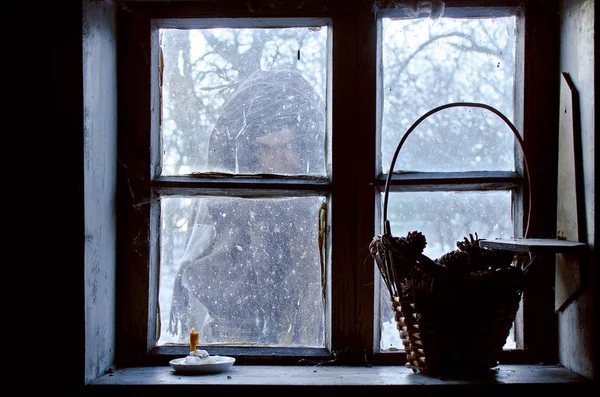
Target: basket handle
point(386, 223)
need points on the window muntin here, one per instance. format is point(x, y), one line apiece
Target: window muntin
point(244, 266)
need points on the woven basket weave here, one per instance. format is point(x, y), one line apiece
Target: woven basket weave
point(456, 334)
point(448, 324)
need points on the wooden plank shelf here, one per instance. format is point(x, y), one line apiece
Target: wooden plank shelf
point(347, 381)
point(534, 245)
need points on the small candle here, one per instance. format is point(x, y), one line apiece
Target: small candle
point(194, 339)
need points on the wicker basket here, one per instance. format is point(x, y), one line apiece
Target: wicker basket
point(450, 322)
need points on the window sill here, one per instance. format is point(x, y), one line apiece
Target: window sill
point(162, 380)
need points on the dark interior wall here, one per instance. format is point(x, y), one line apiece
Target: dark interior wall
point(54, 127)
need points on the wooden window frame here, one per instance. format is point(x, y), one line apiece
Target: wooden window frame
point(354, 218)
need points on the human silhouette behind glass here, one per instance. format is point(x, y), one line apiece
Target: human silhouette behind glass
point(253, 265)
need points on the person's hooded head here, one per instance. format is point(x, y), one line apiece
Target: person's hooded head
point(273, 123)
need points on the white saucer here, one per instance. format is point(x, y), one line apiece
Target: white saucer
point(215, 365)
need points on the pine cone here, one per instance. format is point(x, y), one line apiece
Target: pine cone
point(455, 261)
point(497, 259)
point(415, 243)
point(481, 259)
point(471, 246)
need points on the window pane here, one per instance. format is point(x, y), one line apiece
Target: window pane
point(222, 111)
point(444, 218)
point(242, 271)
point(426, 65)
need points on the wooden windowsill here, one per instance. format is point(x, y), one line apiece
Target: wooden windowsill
point(314, 380)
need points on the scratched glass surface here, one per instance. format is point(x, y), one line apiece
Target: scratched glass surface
point(206, 69)
point(242, 271)
point(431, 63)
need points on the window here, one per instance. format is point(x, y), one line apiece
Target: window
point(244, 100)
point(189, 162)
point(425, 64)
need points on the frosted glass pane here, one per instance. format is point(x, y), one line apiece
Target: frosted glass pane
point(426, 65)
point(243, 101)
point(243, 271)
point(444, 218)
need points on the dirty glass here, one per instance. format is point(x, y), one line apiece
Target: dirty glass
point(428, 63)
point(244, 271)
point(222, 112)
point(444, 218)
